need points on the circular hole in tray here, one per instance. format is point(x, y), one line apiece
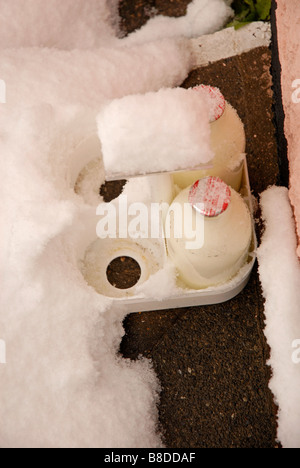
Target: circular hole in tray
point(123, 272)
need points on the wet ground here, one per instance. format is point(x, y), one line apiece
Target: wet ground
point(211, 361)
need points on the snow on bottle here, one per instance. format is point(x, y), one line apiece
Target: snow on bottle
point(228, 143)
point(216, 254)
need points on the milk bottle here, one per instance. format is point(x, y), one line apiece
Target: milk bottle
point(226, 224)
point(228, 143)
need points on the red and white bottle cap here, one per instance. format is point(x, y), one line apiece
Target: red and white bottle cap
point(210, 196)
point(217, 101)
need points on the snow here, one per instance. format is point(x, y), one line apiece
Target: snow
point(279, 271)
point(164, 282)
point(230, 42)
point(155, 132)
point(64, 384)
point(90, 78)
point(206, 16)
point(66, 24)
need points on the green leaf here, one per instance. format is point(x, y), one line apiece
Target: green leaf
point(263, 8)
point(241, 24)
point(243, 15)
point(238, 24)
point(247, 11)
point(238, 6)
point(251, 5)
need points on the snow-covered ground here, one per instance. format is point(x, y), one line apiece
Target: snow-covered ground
point(63, 384)
point(279, 271)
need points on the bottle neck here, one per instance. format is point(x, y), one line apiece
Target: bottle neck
point(210, 197)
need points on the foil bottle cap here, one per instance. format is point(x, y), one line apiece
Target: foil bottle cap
point(210, 196)
point(217, 101)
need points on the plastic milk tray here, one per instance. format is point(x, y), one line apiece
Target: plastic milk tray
point(127, 252)
point(150, 292)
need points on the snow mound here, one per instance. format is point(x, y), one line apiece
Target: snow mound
point(63, 384)
point(203, 17)
point(279, 271)
point(66, 24)
point(156, 132)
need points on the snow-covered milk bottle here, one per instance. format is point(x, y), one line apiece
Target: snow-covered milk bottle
point(228, 142)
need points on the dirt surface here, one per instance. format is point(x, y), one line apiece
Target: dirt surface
point(135, 13)
point(211, 361)
point(112, 190)
point(123, 272)
point(211, 365)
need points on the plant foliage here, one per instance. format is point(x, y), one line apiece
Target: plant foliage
point(247, 11)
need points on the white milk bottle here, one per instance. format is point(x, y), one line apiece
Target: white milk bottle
point(228, 142)
point(210, 242)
